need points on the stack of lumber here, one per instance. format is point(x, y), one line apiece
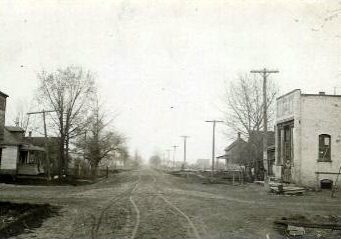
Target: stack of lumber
point(295, 231)
point(309, 224)
point(286, 190)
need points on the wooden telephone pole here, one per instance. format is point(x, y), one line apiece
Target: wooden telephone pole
point(185, 150)
point(174, 151)
point(168, 154)
point(265, 73)
point(213, 142)
point(45, 143)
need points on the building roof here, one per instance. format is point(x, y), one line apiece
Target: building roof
point(40, 141)
point(258, 136)
point(3, 94)
point(30, 147)
point(235, 143)
point(289, 93)
point(11, 137)
point(323, 94)
point(14, 129)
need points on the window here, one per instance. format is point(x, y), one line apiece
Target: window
point(326, 184)
point(324, 147)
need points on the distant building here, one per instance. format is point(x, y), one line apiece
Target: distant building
point(248, 155)
point(234, 153)
point(308, 138)
point(116, 160)
point(255, 151)
point(203, 164)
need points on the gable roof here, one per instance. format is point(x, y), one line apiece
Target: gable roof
point(258, 136)
point(235, 143)
point(3, 94)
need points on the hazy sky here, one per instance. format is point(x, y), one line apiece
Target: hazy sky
point(163, 65)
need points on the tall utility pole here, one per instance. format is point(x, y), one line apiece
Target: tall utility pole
point(265, 73)
point(168, 154)
point(213, 142)
point(335, 88)
point(164, 158)
point(45, 143)
point(185, 150)
point(174, 151)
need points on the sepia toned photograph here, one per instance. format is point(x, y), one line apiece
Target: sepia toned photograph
point(170, 119)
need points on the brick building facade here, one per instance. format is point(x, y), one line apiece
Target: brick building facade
point(308, 138)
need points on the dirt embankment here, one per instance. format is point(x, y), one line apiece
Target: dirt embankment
point(18, 218)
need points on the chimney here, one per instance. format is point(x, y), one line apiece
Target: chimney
point(29, 138)
point(2, 114)
point(322, 93)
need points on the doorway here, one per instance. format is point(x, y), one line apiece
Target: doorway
point(286, 149)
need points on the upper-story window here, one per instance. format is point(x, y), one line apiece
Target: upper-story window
point(324, 147)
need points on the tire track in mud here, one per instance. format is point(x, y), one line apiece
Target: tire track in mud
point(139, 201)
point(190, 222)
point(152, 215)
point(184, 215)
point(138, 214)
point(116, 199)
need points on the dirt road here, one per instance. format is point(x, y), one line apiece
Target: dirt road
point(152, 204)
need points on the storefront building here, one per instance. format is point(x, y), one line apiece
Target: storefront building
point(308, 138)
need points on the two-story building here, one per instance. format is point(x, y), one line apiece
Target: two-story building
point(308, 138)
point(17, 155)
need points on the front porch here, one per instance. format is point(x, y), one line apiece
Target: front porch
point(31, 160)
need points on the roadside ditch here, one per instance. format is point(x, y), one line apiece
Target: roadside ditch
point(18, 218)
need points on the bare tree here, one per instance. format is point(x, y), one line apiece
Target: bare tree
point(68, 92)
point(124, 154)
point(244, 114)
point(136, 162)
point(244, 104)
point(18, 115)
point(100, 141)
